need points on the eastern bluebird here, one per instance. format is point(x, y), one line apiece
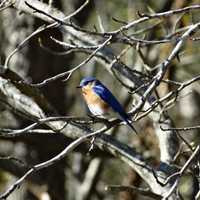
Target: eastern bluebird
point(99, 99)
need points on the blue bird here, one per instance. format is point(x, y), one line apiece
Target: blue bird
point(99, 99)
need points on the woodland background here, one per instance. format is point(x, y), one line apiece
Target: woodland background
point(151, 66)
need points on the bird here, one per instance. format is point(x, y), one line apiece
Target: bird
point(100, 100)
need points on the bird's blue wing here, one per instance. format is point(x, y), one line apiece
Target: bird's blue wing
point(108, 97)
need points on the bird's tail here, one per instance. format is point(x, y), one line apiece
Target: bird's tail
point(125, 117)
point(131, 126)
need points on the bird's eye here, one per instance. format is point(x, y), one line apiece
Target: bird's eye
point(86, 83)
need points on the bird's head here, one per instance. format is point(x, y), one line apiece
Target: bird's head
point(87, 81)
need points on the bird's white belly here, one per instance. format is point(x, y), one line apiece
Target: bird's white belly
point(96, 110)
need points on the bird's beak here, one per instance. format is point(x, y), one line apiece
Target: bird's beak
point(78, 87)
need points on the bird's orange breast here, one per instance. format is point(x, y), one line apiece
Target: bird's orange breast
point(92, 98)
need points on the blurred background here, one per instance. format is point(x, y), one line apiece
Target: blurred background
point(38, 61)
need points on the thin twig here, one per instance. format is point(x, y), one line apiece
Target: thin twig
point(66, 75)
point(189, 128)
point(27, 129)
point(146, 17)
point(163, 67)
point(41, 29)
point(169, 95)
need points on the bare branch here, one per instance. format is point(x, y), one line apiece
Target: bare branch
point(50, 162)
point(142, 191)
point(67, 75)
point(182, 129)
point(42, 28)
